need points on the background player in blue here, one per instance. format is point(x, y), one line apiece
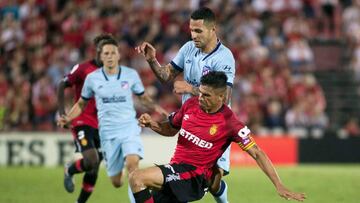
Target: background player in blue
point(196, 58)
point(113, 86)
point(84, 129)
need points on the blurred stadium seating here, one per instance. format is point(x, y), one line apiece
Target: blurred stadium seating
point(297, 62)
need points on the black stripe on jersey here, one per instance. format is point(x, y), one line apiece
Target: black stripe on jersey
point(216, 48)
point(85, 98)
point(139, 94)
point(176, 66)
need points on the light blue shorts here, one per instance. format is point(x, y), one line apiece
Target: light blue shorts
point(116, 149)
point(224, 161)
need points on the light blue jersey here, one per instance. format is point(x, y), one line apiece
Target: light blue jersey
point(118, 127)
point(195, 63)
point(113, 96)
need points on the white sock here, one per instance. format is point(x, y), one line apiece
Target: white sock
point(130, 194)
point(221, 195)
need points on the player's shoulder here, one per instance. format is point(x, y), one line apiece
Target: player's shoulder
point(225, 51)
point(128, 71)
point(228, 113)
point(189, 46)
point(81, 67)
point(95, 73)
point(87, 64)
point(192, 101)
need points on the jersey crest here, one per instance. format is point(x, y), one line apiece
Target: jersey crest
point(213, 129)
point(205, 70)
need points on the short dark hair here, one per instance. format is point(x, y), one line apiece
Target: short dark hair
point(99, 42)
point(104, 39)
point(214, 79)
point(104, 36)
point(204, 13)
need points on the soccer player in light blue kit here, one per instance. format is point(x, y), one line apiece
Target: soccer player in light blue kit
point(113, 86)
point(196, 58)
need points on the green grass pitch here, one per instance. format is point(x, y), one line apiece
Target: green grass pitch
point(321, 183)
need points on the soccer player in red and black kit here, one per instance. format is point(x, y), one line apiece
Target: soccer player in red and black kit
point(84, 128)
point(207, 127)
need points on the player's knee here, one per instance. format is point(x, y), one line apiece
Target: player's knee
point(91, 163)
point(117, 182)
point(135, 179)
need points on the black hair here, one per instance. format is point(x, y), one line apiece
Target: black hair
point(204, 13)
point(99, 38)
point(214, 79)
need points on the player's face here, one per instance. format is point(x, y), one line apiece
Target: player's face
point(110, 56)
point(201, 34)
point(210, 99)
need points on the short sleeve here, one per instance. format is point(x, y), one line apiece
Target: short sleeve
point(179, 60)
point(137, 87)
point(241, 134)
point(87, 90)
point(227, 65)
point(73, 76)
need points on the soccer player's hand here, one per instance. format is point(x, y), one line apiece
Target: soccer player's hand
point(289, 195)
point(181, 87)
point(62, 121)
point(147, 50)
point(145, 120)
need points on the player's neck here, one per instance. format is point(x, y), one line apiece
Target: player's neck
point(111, 70)
point(210, 46)
point(213, 110)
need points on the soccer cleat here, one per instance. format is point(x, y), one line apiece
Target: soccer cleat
point(68, 180)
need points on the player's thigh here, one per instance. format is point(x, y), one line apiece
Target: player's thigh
point(132, 145)
point(132, 162)
point(113, 156)
point(85, 138)
point(151, 177)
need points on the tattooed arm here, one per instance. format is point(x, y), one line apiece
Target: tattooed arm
point(163, 73)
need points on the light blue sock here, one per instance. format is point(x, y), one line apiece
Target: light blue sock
point(221, 195)
point(130, 194)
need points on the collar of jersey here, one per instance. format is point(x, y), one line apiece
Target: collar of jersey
point(214, 50)
point(106, 78)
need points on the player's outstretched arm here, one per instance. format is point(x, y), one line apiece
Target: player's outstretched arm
point(60, 96)
point(163, 73)
point(147, 101)
point(267, 167)
point(75, 111)
point(163, 128)
point(183, 87)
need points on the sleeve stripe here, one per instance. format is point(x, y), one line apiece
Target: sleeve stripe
point(229, 84)
point(85, 98)
point(249, 146)
point(176, 66)
point(139, 94)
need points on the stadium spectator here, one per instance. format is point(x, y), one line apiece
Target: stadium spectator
point(112, 87)
point(206, 125)
point(43, 30)
point(196, 58)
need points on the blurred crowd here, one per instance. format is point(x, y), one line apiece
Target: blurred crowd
point(274, 88)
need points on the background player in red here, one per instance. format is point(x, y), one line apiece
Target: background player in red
point(84, 128)
point(207, 127)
